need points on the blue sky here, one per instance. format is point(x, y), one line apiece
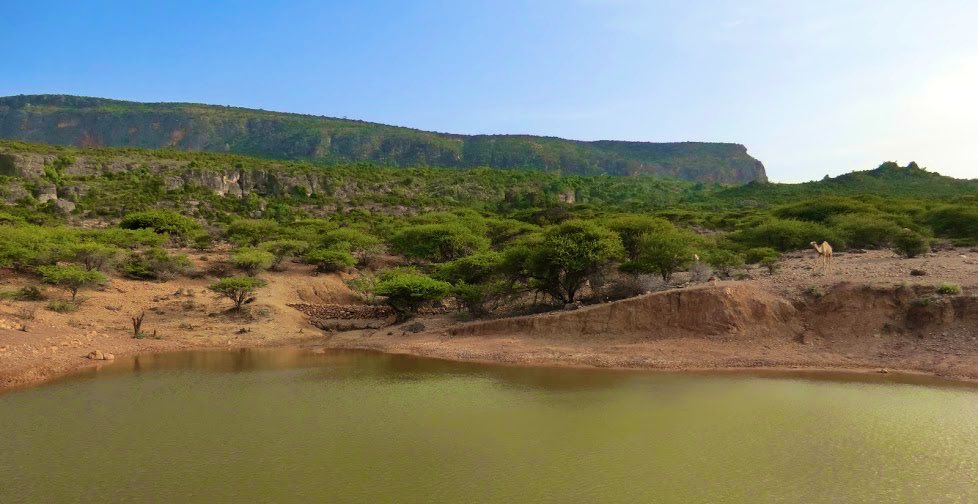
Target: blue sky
point(812, 88)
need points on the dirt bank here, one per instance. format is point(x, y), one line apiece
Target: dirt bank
point(867, 312)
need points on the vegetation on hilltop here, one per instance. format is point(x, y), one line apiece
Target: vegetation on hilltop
point(89, 122)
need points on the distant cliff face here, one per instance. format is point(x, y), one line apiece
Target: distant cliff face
point(90, 122)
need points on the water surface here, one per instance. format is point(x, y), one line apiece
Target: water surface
point(291, 426)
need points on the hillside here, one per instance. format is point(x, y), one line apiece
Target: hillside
point(95, 122)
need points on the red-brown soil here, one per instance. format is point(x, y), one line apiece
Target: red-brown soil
point(865, 312)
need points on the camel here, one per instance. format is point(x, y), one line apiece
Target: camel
point(824, 252)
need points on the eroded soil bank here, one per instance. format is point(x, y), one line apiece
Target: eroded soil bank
point(866, 313)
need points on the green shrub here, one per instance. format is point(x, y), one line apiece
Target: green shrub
point(503, 231)
point(252, 261)
point(437, 242)
point(154, 264)
point(910, 244)
point(162, 222)
point(284, 249)
point(760, 255)
point(785, 235)
point(93, 256)
point(867, 231)
point(252, 231)
point(406, 293)
point(662, 253)
point(62, 306)
point(949, 289)
point(71, 278)
point(724, 261)
point(29, 293)
point(633, 228)
point(955, 221)
point(239, 290)
point(473, 269)
point(567, 255)
point(823, 208)
point(773, 264)
point(362, 245)
point(330, 260)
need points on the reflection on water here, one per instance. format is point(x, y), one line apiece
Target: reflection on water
point(285, 425)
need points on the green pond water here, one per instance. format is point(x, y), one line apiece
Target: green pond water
point(291, 426)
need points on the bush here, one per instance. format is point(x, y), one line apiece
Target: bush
point(29, 293)
point(662, 253)
point(252, 231)
point(785, 235)
point(93, 256)
point(438, 242)
point(760, 254)
point(406, 293)
point(949, 289)
point(867, 231)
point(474, 269)
point(71, 278)
point(363, 246)
point(239, 290)
point(61, 306)
point(960, 221)
point(633, 228)
point(162, 222)
point(364, 286)
point(284, 249)
point(910, 244)
point(154, 264)
point(772, 264)
point(823, 208)
point(567, 255)
point(724, 261)
point(252, 261)
point(330, 260)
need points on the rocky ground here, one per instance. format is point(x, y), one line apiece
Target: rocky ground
point(864, 311)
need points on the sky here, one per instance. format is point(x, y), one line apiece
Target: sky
point(811, 88)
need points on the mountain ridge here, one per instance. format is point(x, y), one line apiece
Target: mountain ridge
point(91, 122)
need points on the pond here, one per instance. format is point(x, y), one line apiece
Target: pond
point(294, 426)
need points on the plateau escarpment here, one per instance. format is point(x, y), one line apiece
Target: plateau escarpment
point(95, 122)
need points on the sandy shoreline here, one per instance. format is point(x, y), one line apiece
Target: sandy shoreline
point(864, 317)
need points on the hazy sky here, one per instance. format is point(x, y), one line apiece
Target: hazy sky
point(812, 88)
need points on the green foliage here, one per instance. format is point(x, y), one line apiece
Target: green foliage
point(62, 306)
point(567, 254)
point(252, 261)
point(867, 230)
point(252, 231)
point(822, 209)
point(724, 261)
point(632, 229)
point(955, 221)
point(154, 264)
point(284, 249)
point(786, 234)
point(364, 286)
point(239, 289)
point(502, 231)
point(949, 289)
point(438, 242)
point(162, 222)
point(93, 256)
point(661, 252)
point(26, 293)
point(362, 245)
point(406, 293)
point(71, 278)
point(910, 244)
point(760, 255)
point(328, 260)
point(473, 269)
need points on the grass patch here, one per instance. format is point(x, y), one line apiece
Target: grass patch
point(949, 289)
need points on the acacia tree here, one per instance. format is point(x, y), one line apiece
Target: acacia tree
point(239, 289)
point(560, 263)
point(72, 278)
point(662, 253)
